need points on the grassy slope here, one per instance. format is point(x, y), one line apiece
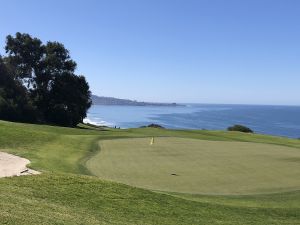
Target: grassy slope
point(70, 199)
point(61, 198)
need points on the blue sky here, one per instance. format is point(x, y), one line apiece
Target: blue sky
point(205, 51)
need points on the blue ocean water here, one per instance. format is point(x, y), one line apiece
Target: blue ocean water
point(274, 120)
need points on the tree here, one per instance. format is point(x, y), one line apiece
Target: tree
point(24, 55)
point(14, 102)
point(55, 63)
point(47, 74)
point(70, 99)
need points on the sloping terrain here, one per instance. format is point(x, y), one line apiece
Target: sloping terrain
point(63, 195)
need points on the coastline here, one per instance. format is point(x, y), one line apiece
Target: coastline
point(271, 120)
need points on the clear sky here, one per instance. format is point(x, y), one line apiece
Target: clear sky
point(205, 51)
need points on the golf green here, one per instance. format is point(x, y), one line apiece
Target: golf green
point(198, 166)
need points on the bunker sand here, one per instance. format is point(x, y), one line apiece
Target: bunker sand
point(11, 165)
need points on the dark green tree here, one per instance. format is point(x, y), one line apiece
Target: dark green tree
point(47, 74)
point(55, 63)
point(69, 100)
point(14, 102)
point(24, 56)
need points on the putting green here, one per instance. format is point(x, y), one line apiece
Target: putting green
point(198, 166)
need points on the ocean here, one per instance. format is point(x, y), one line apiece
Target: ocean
point(273, 120)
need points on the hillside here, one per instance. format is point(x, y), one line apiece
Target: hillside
point(65, 193)
point(117, 101)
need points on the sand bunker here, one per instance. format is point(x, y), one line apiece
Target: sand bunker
point(11, 165)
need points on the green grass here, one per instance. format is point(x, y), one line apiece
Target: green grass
point(62, 195)
point(198, 166)
point(73, 199)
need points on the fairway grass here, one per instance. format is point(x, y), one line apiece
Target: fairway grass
point(63, 195)
point(198, 166)
point(73, 199)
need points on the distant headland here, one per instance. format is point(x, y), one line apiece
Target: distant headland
point(100, 100)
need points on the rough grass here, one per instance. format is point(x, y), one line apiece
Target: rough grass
point(63, 196)
point(73, 199)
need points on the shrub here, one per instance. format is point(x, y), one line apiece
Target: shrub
point(153, 125)
point(240, 128)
